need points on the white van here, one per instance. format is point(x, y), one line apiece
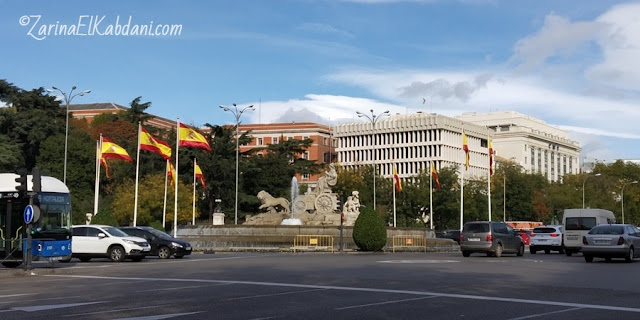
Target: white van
point(578, 222)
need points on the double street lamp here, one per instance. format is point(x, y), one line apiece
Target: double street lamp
point(583, 182)
point(622, 196)
point(67, 100)
point(373, 119)
point(237, 114)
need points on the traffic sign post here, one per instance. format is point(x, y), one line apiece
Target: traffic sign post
point(31, 215)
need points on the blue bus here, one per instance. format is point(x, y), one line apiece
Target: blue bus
point(51, 234)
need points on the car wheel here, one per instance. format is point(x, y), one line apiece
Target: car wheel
point(498, 253)
point(588, 258)
point(629, 257)
point(116, 253)
point(520, 251)
point(164, 252)
point(568, 252)
point(532, 250)
point(547, 251)
point(85, 259)
point(466, 253)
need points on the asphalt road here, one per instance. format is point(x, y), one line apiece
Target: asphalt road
point(326, 286)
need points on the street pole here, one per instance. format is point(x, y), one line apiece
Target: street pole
point(622, 197)
point(67, 99)
point(583, 182)
point(373, 119)
point(237, 114)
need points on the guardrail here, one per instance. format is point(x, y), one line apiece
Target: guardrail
point(312, 242)
point(409, 241)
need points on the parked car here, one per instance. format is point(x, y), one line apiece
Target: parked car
point(100, 241)
point(611, 241)
point(524, 234)
point(547, 239)
point(490, 237)
point(162, 244)
point(450, 234)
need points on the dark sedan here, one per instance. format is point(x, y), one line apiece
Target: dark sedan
point(162, 244)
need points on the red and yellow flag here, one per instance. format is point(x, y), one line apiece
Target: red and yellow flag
point(103, 162)
point(200, 176)
point(396, 179)
point(490, 157)
point(434, 174)
point(188, 137)
point(149, 143)
point(171, 172)
point(465, 147)
point(111, 150)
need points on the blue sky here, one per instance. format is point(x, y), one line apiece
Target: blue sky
point(572, 64)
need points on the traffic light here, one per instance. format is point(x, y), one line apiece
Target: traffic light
point(36, 180)
point(21, 187)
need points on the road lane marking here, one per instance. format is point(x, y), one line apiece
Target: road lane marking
point(361, 289)
point(43, 299)
point(544, 314)
point(275, 294)
point(111, 311)
point(54, 306)
point(161, 316)
point(386, 302)
point(187, 287)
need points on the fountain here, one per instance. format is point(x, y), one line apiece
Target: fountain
point(294, 194)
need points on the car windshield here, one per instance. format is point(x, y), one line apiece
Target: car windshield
point(160, 234)
point(616, 230)
point(544, 230)
point(115, 232)
point(476, 227)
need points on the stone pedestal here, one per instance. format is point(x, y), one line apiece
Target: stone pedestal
point(218, 219)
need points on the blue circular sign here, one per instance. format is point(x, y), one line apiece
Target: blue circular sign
point(28, 214)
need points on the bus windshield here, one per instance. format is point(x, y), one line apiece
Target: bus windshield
point(55, 217)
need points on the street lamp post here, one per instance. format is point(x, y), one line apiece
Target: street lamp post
point(67, 101)
point(622, 196)
point(237, 114)
point(504, 196)
point(583, 182)
point(373, 119)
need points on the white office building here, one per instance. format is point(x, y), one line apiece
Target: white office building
point(411, 141)
point(530, 142)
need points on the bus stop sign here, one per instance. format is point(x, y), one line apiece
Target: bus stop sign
point(31, 214)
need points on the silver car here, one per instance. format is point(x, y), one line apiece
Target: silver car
point(611, 241)
point(490, 237)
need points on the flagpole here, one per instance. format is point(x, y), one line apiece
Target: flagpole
point(135, 197)
point(175, 179)
point(164, 206)
point(394, 194)
point(97, 184)
point(431, 167)
point(489, 173)
point(193, 200)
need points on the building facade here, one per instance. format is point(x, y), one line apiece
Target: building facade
point(88, 111)
point(411, 142)
point(531, 143)
point(322, 150)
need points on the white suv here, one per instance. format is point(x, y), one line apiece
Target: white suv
point(546, 238)
point(100, 241)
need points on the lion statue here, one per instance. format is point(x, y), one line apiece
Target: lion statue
point(270, 203)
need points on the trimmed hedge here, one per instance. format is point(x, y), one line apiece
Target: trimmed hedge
point(369, 231)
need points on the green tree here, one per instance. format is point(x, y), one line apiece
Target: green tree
point(369, 232)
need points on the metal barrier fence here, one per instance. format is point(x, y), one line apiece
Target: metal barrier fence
point(312, 242)
point(409, 241)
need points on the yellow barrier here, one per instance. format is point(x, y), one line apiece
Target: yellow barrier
point(406, 241)
point(313, 242)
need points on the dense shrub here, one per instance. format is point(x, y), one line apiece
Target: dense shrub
point(369, 232)
point(104, 217)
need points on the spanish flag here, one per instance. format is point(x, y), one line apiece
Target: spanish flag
point(490, 157)
point(200, 176)
point(111, 150)
point(103, 162)
point(149, 143)
point(189, 137)
point(434, 174)
point(465, 147)
point(171, 172)
point(396, 179)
